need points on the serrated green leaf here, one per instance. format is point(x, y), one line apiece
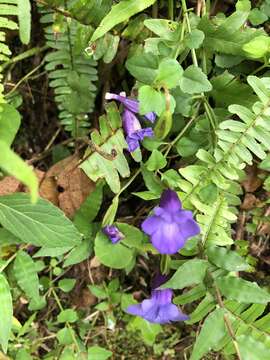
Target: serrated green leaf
point(190, 273)
point(244, 291)
point(169, 73)
point(40, 224)
point(156, 161)
point(15, 166)
point(6, 312)
point(226, 259)
point(119, 13)
point(80, 252)
point(252, 348)
point(143, 67)
point(27, 276)
point(194, 81)
point(194, 39)
point(150, 100)
point(211, 333)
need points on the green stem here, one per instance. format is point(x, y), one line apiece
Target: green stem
point(24, 55)
point(165, 262)
point(155, 10)
point(182, 132)
point(171, 9)
point(185, 11)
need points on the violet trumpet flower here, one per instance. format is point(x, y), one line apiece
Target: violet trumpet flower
point(159, 308)
point(113, 233)
point(131, 124)
point(170, 226)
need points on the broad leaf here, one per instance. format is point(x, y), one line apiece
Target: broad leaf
point(15, 166)
point(40, 224)
point(10, 121)
point(117, 256)
point(98, 353)
point(235, 288)
point(27, 278)
point(226, 259)
point(252, 349)
point(6, 312)
point(119, 13)
point(190, 273)
point(212, 332)
point(143, 67)
point(194, 81)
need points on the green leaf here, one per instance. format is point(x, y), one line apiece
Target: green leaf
point(190, 273)
point(80, 252)
point(169, 73)
point(98, 353)
point(40, 224)
point(109, 140)
point(243, 5)
point(24, 16)
point(66, 336)
point(235, 288)
point(165, 29)
point(15, 166)
point(213, 330)
point(229, 90)
point(148, 330)
point(257, 48)
point(194, 39)
point(156, 161)
point(257, 17)
point(22, 354)
point(151, 181)
point(67, 315)
point(143, 67)
point(252, 348)
point(67, 285)
point(119, 13)
point(194, 81)
point(146, 195)
point(133, 236)
point(116, 256)
point(98, 291)
point(10, 121)
point(27, 277)
point(90, 207)
point(226, 259)
point(204, 307)
point(109, 216)
point(150, 100)
point(6, 313)
point(192, 295)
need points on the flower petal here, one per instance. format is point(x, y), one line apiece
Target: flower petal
point(187, 225)
point(130, 104)
point(168, 240)
point(135, 310)
point(170, 201)
point(151, 116)
point(131, 123)
point(151, 224)
point(133, 144)
point(173, 313)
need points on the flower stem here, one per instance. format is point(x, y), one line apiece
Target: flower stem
point(171, 9)
point(165, 262)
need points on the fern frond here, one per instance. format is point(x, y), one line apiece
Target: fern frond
point(100, 160)
point(238, 142)
point(72, 75)
point(7, 8)
point(246, 320)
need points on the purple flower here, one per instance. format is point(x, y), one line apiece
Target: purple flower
point(132, 126)
point(159, 308)
point(170, 226)
point(113, 233)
